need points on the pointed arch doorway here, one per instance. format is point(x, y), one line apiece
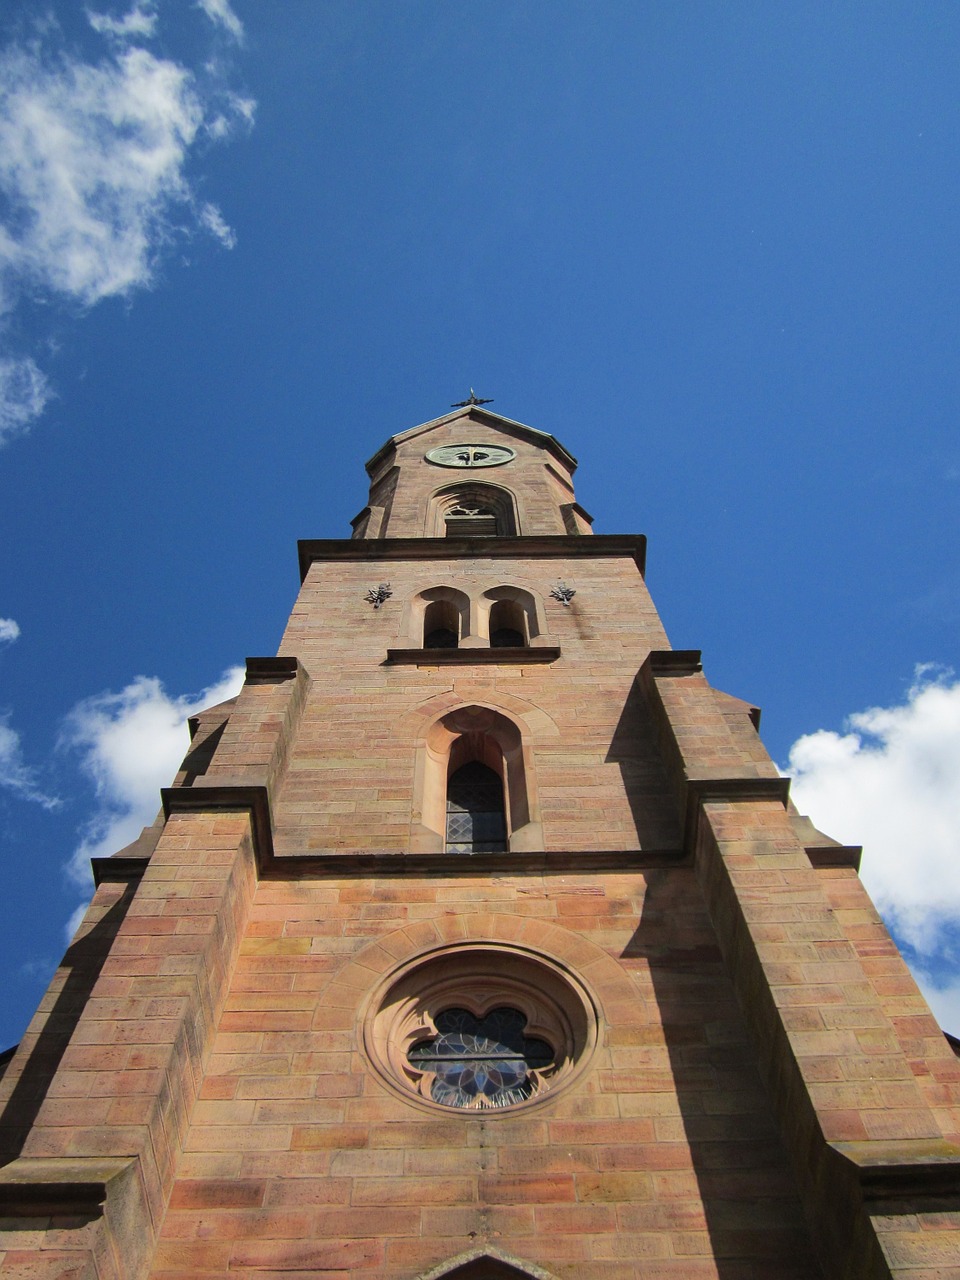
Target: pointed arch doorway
point(485, 1264)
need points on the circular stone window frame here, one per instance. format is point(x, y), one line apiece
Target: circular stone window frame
point(479, 976)
point(452, 455)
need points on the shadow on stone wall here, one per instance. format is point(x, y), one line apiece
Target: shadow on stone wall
point(634, 748)
point(83, 961)
point(748, 1200)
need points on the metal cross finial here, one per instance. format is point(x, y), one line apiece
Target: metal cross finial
point(474, 399)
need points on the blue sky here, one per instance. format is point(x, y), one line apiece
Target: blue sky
point(711, 247)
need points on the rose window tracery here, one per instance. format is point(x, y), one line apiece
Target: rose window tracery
point(481, 1062)
point(483, 1027)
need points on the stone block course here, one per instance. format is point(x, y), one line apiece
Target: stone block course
point(579, 1164)
point(762, 1058)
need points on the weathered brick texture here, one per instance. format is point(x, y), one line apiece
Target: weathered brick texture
point(634, 1163)
point(768, 1097)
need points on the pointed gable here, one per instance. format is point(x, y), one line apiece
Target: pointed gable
point(481, 416)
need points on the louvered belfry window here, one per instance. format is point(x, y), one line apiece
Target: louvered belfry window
point(476, 822)
point(471, 522)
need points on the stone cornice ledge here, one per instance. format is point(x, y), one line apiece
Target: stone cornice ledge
point(701, 791)
point(674, 662)
point(226, 797)
point(42, 1186)
point(633, 545)
point(115, 869)
point(529, 862)
point(271, 670)
point(907, 1170)
point(835, 855)
point(464, 657)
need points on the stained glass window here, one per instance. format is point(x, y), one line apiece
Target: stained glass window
point(481, 1062)
point(475, 818)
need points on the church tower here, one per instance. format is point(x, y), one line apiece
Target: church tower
point(478, 939)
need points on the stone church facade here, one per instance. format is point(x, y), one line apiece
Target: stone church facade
point(478, 938)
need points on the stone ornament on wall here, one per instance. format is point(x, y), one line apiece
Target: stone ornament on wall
point(470, 455)
point(378, 595)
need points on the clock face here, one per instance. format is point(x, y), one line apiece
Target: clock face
point(470, 455)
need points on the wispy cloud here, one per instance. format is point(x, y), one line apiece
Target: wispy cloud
point(220, 12)
point(891, 782)
point(140, 22)
point(131, 744)
point(24, 393)
point(93, 175)
point(15, 774)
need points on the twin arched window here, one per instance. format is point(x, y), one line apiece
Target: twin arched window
point(503, 617)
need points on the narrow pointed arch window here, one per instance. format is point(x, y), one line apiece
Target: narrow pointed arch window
point(476, 817)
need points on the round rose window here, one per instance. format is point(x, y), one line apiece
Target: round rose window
point(481, 1060)
point(480, 1027)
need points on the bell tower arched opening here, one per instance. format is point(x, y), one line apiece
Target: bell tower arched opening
point(472, 510)
point(441, 625)
point(508, 627)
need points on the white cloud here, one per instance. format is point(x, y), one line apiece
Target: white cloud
point(943, 1000)
point(15, 774)
point(24, 392)
point(92, 157)
point(220, 13)
point(892, 784)
point(131, 744)
point(76, 918)
point(9, 630)
point(212, 219)
point(139, 23)
point(93, 174)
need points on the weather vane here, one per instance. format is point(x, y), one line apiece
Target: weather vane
point(474, 399)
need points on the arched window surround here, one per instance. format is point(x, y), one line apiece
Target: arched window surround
point(521, 606)
point(480, 733)
point(478, 974)
point(458, 609)
point(493, 497)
